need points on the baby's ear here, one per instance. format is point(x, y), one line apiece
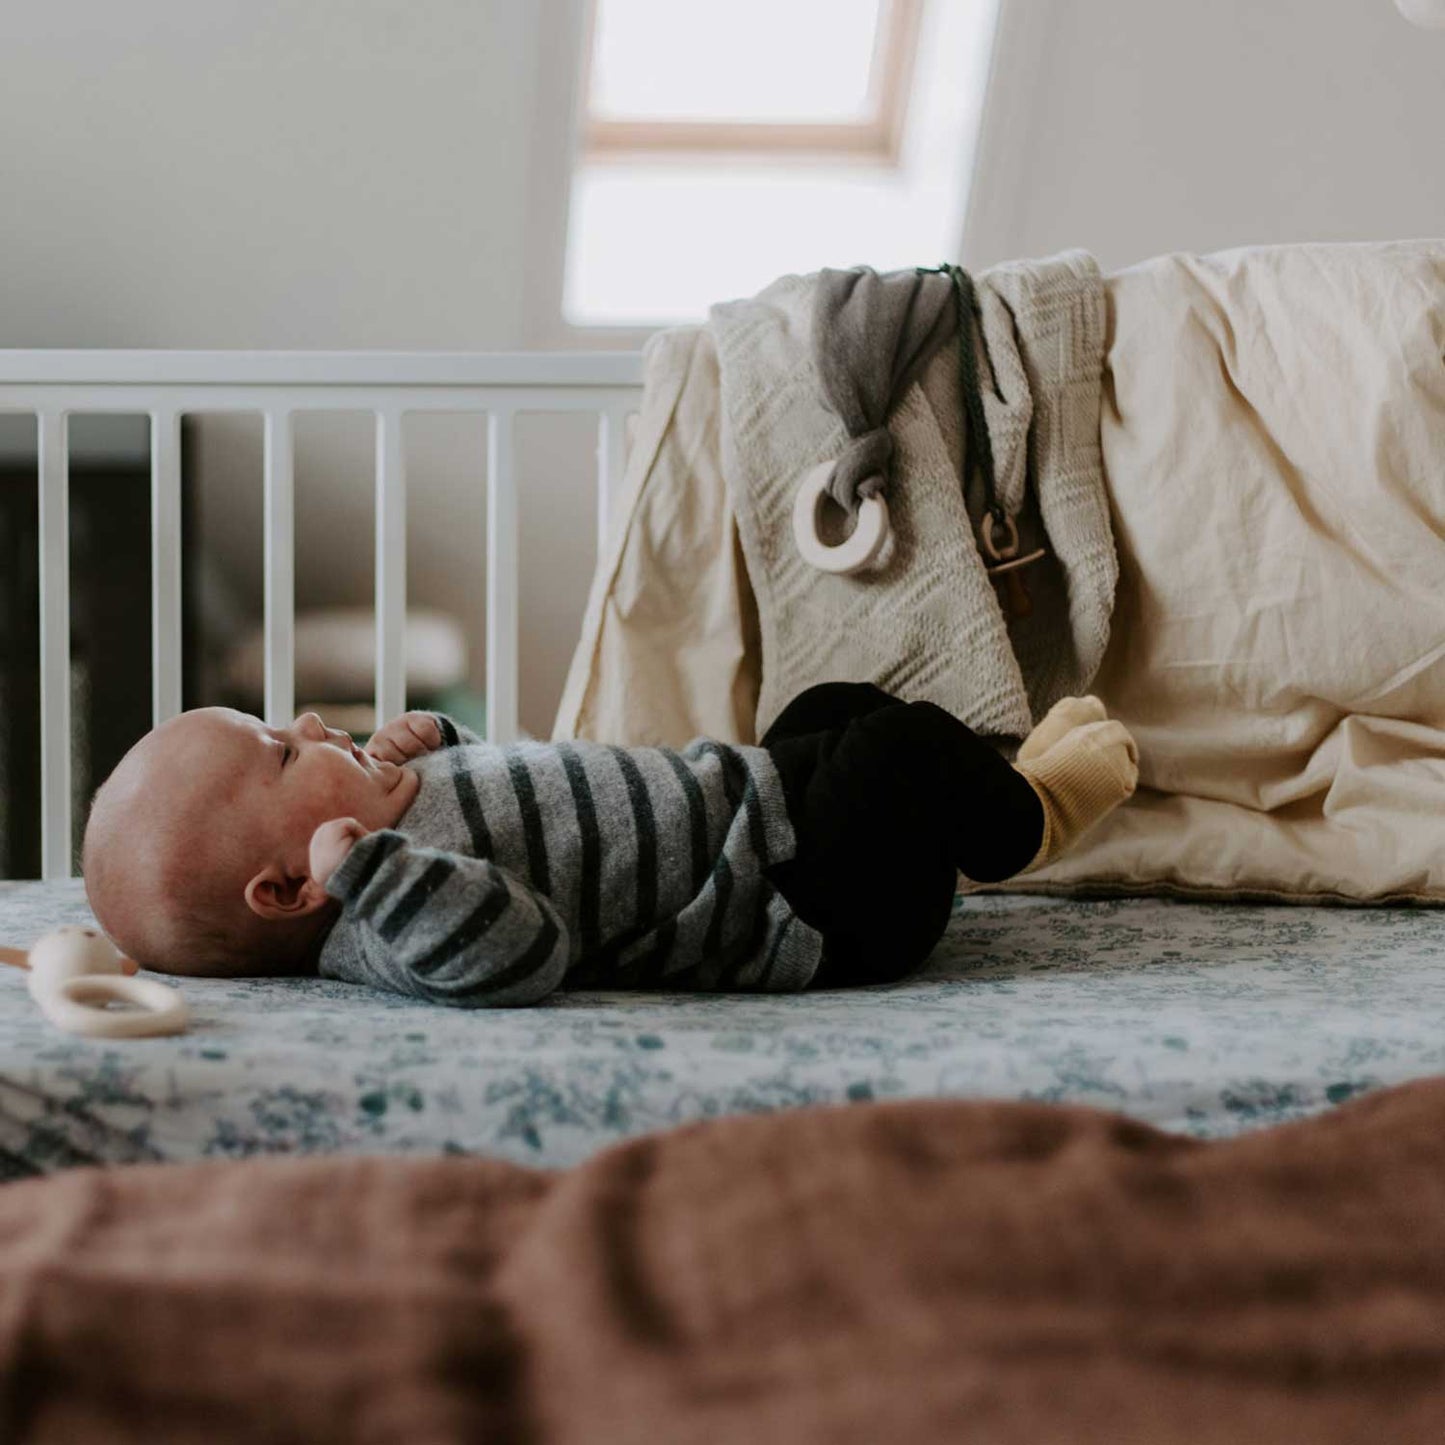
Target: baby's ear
point(273, 893)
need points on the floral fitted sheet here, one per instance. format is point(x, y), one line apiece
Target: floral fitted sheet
point(1208, 1018)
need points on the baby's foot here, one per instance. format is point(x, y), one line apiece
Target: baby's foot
point(1112, 745)
point(1065, 715)
point(1085, 775)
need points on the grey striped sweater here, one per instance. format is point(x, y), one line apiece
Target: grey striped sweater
point(519, 867)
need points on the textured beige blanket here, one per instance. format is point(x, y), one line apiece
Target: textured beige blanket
point(927, 624)
point(1274, 443)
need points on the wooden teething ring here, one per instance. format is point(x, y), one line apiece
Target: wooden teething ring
point(75, 972)
point(1005, 557)
point(78, 1005)
point(859, 549)
point(1006, 562)
point(1010, 548)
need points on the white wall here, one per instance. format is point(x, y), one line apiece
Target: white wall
point(234, 173)
point(1134, 127)
point(318, 174)
point(391, 173)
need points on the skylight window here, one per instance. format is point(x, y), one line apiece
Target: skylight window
point(733, 62)
point(723, 145)
point(751, 75)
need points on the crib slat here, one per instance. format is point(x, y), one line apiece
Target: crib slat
point(165, 565)
point(54, 505)
point(280, 520)
point(390, 568)
point(502, 605)
point(611, 462)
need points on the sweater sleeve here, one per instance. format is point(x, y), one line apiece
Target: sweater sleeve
point(455, 734)
point(443, 927)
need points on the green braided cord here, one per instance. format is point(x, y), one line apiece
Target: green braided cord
point(978, 450)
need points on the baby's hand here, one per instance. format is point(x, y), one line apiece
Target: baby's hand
point(407, 736)
point(330, 844)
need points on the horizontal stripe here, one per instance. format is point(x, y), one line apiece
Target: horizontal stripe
point(733, 769)
point(590, 883)
point(539, 875)
point(470, 804)
point(644, 826)
point(653, 967)
point(415, 898)
point(757, 827)
point(532, 960)
point(386, 844)
point(607, 959)
point(652, 857)
point(467, 932)
point(696, 817)
point(746, 952)
point(722, 885)
point(781, 932)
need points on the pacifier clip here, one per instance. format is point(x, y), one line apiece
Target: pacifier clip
point(1003, 564)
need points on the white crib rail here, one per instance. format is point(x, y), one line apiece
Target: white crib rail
point(167, 385)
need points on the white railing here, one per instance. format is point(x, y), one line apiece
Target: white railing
point(166, 385)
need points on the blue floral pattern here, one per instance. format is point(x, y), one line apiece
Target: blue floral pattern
point(1208, 1018)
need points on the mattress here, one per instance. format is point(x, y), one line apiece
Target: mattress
point(1207, 1018)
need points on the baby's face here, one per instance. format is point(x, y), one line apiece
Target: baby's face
point(274, 786)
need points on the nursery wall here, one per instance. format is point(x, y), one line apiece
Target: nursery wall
point(366, 173)
point(1135, 127)
point(333, 174)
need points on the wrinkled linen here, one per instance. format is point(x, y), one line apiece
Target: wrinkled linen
point(669, 647)
point(1273, 437)
point(930, 1272)
point(1279, 498)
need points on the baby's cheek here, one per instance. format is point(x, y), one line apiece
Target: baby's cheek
point(408, 784)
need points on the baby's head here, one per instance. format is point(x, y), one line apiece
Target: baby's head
point(197, 850)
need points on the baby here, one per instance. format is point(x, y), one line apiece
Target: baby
point(439, 866)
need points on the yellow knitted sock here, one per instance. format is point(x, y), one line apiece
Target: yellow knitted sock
point(1065, 715)
point(1084, 776)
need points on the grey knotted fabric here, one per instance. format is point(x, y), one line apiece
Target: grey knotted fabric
point(871, 336)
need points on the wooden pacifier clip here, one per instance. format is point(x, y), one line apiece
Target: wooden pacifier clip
point(1013, 596)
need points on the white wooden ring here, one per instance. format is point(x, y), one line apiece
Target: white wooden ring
point(859, 549)
point(78, 1005)
point(75, 972)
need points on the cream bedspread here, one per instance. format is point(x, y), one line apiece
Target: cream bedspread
point(1273, 435)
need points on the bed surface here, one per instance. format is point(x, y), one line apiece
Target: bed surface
point(1204, 1018)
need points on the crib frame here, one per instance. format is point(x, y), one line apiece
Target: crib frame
point(52, 386)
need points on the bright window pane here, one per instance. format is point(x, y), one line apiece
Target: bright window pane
point(755, 60)
point(662, 245)
point(655, 244)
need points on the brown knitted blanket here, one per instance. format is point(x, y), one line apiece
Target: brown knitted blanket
point(920, 1272)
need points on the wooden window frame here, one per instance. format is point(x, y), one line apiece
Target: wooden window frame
point(878, 139)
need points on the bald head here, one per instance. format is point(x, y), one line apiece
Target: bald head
point(165, 853)
point(197, 852)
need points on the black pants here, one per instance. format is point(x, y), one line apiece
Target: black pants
point(890, 801)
